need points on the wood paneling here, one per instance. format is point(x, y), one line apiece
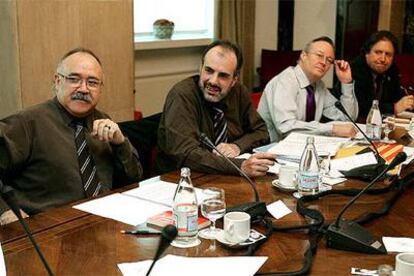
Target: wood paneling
point(45, 30)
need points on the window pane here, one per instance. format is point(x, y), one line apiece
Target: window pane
point(187, 15)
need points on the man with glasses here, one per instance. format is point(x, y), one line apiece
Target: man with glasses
point(65, 149)
point(296, 99)
point(376, 76)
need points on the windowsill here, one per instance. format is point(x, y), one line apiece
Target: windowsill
point(177, 41)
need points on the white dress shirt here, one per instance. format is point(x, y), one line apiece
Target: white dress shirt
point(283, 104)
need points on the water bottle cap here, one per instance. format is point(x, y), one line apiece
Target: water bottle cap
point(185, 172)
point(310, 140)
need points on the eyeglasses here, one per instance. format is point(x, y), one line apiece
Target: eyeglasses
point(77, 81)
point(322, 57)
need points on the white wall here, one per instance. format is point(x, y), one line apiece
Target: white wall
point(265, 29)
point(313, 19)
point(157, 70)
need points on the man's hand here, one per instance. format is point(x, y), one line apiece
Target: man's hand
point(406, 102)
point(107, 131)
point(9, 217)
point(229, 150)
point(258, 164)
point(344, 130)
point(343, 71)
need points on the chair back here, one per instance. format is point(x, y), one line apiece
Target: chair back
point(143, 136)
point(405, 64)
point(273, 62)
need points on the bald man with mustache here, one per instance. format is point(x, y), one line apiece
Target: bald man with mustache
point(65, 149)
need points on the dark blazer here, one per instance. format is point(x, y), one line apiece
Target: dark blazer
point(365, 91)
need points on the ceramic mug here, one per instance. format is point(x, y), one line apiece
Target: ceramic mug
point(287, 176)
point(404, 264)
point(236, 226)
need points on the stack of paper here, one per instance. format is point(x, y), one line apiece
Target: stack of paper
point(137, 205)
point(292, 146)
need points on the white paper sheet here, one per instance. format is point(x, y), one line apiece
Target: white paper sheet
point(158, 191)
point(2, 263)
point(191, 266)
point(394, 244)
point(410, 154)
point(278, 209)
point(122, 208)
point(354, 161)
point(295, 142)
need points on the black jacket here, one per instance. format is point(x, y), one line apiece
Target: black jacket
point(365, 92)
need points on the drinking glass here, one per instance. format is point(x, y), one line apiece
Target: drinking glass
point(388, 127)
point(213, 207)
point(324, 162)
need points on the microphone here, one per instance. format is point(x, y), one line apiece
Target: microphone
point(8, 196)
point(349, 235)
point(367, 172)
point(168, 234)
point(255, 209)
point(339, 105)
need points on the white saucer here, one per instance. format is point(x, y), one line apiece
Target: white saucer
point(178, 244)
point(254, 237)
point(220, 237)
point(275, 183)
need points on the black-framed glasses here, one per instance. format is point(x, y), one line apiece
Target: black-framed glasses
point(76, 81)
point(322, 57)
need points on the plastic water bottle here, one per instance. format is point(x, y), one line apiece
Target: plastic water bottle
point(374, 122)
point(308, 174)
point(185, 211)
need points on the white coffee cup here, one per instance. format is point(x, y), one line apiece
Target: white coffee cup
point(236, 226)
point(287, 176)
point(404, 264)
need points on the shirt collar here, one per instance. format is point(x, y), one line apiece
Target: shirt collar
point(68, 118)
point(301, 77)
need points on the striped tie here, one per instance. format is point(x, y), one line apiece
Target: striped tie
point(220, 126)
point(87, 166)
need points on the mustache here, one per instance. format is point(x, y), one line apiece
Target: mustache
point(82, 97)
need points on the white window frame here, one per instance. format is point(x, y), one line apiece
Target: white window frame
point(144, 41)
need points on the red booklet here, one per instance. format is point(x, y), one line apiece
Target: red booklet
point(165, 218)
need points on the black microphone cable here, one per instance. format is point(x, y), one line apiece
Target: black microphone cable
point(8, 197)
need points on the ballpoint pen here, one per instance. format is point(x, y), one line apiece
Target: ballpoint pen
point(141, 232)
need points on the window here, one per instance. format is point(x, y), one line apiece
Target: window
point(192, 18)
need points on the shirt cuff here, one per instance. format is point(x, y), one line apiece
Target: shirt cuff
point(327, 128)
point(347, 88)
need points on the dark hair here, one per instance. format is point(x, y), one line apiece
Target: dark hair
point(226, 44)
point(80, 50)
point(378, 36)
point(321, 38)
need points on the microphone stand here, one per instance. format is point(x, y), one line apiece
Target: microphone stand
point(349, 235)
point(255, 209)
point(8, 198)
point(168, 234)
point(367, 172)
point(339, 105)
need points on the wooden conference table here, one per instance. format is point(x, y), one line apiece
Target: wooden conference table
point(78, 243)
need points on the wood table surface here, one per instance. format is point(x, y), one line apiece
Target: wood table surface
point(78, 243)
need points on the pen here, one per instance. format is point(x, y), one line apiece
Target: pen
point(141, 232)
